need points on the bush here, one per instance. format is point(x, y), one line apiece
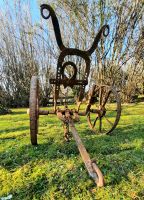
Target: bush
point(4, 110)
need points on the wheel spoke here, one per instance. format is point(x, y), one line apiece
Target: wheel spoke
point(95, 122)
point(108, 121)
point(100, 124)
point(100, 96)
point(106, 98)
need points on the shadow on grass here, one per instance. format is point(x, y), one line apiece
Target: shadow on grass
point(116, 155)
point(18, 112)
point(10, 130)
point(110, 144)
point(17, 157)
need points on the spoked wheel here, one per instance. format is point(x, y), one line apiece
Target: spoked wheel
point(104, 114)
point(34, 109)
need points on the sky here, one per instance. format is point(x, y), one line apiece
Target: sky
point(35, 10)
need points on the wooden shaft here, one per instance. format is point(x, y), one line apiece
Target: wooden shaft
point(92, 168)
point(46, 112)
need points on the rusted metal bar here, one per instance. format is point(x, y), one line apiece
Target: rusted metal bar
point(46, 112)
point(91, 166)
point(71, 82)
point(94, 111)
point(43, 112)
point(69, 97)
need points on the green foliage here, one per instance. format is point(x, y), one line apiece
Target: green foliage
point(4, 110)
point(54, 168)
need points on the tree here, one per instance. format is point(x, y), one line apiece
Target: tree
point(115, 53)
point(24, 51)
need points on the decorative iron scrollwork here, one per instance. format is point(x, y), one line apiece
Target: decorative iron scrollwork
point(65, 51)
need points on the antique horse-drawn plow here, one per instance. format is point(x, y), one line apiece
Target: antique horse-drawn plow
point(103, 101)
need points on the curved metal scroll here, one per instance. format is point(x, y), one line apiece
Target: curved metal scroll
point(55, 24)
point(98, 37)
point(60, 78)
point(103, 31)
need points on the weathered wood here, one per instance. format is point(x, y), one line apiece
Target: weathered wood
point(91, 166)
point(34, 107)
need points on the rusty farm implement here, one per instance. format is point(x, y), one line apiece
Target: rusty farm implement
point(103, 103)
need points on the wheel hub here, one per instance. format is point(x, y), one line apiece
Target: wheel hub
point(102, 112)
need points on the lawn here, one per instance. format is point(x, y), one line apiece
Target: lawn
point(54, 168)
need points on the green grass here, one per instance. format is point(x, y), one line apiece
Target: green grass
point(54, 169)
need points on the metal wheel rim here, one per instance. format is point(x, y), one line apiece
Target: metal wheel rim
point(117, 118)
